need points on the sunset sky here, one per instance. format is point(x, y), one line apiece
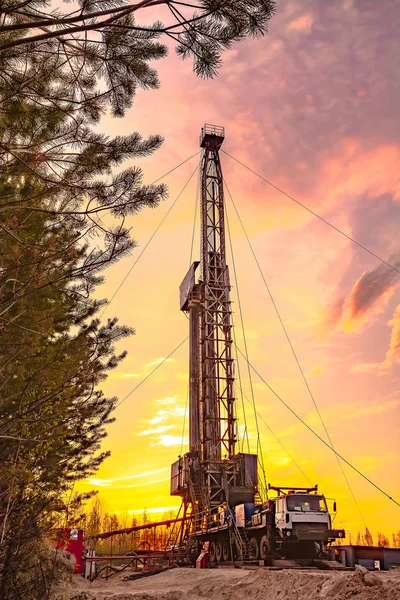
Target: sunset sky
point(314, 108)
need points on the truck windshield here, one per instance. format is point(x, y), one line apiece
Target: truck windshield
point(306, 503)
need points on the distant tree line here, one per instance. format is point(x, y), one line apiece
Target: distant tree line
point(381, 539)
point(96, 519)
point(368, 539)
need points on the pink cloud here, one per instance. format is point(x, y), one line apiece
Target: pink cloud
point(302, 24)
point(368, 297)
point(372, 291)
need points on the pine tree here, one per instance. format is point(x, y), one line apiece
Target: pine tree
point(201, 34)
point(396, 539)
point(94, 520)
point(54, 83)
point(54, 353)
point(383, 540)
point(368, 539)
point(63, 209)
point(53, 415)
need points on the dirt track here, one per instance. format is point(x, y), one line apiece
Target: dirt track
point(238, 584)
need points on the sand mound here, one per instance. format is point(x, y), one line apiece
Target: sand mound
point(297, 585)
point(234, 584)
point(174, 595)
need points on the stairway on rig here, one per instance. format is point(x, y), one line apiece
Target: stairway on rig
point(242, 543)
point(196, 494)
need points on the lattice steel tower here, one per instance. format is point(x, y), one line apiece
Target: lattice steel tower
point(211, 474)
point(218, 421)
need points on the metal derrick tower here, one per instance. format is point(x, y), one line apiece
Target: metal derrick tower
point(216, 341)
point(211, 474)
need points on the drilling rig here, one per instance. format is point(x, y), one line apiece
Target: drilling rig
point(218, 485)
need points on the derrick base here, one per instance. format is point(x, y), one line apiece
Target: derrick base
point(238, 478)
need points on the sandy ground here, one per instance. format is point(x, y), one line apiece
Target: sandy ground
point(241, 584)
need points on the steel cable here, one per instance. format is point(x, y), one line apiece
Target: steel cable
point(296, 357)
point(245, 347)
point(313, 213)
point(151, 373)
point(154, 233)
point(319, 437)
point(279, 441)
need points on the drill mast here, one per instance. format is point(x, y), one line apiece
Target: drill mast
point(218, 422)
point(211, 474)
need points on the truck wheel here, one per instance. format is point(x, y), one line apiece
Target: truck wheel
point(226, 551)
point(218, 551)
point(253, 549)
point(264, 547)
point(211, 552)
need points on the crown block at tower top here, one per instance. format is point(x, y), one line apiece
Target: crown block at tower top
point(212, 137)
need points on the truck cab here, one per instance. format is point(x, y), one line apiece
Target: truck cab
point(302, 516)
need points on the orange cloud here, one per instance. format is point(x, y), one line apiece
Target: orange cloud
point(365, 301)
point(155, 431)
point(369, 296)
point(331, 318)
point(354, 171)
point(393, 354)
point(172, 440)
point(98, 481)
point(364, 368)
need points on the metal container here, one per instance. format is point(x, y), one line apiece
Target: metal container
point(179, 476)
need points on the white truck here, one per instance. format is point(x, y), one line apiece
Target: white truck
point(295, 524)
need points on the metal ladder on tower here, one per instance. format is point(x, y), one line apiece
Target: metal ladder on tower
point(195, 490)
point(196, 493)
